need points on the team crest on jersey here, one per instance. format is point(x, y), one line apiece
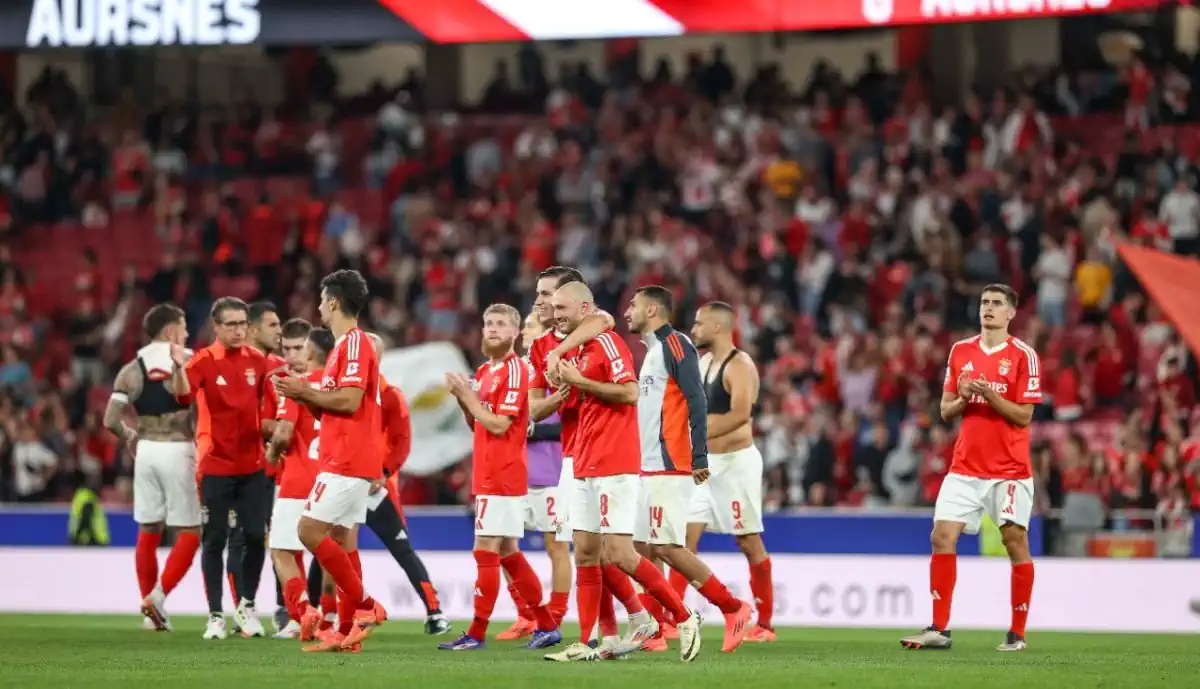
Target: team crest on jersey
point(1005, 367)
point(250, 376)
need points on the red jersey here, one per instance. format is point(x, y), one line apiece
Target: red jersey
point(608, 443)
point(569, 411)
point(501, 462)
point(397, 426)
point(271, 403)
point(987, 445)
point(300, 466)
point(228, 386)
point(350, 442)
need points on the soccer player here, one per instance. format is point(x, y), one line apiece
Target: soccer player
point(497, 407)
point(673, 427)
point(543, 505)
point(544, 355)
point(228, 381)
point(384, 515)
point(993, 381)
point(604, 508)
point(730, 501)
point(164, 469)
point(350, 465)
point(293, 449)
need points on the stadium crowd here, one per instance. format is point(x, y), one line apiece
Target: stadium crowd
point(850, 222)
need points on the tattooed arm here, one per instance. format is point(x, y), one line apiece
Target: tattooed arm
point(126, 389)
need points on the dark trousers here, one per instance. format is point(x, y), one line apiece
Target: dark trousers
point(385, 521)
point(234, 502)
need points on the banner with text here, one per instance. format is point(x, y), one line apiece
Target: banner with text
point(1071, 595)
point(98, 23)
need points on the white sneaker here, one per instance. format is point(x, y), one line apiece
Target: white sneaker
point(290, 631)
point(247, 620)
point(154, 611)
point(642, 627)
point(610, 647)
point(148, 624)
point(575, 653)
point(215, 628)
point(689, 637)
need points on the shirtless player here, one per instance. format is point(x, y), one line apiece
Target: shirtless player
point(164, 469)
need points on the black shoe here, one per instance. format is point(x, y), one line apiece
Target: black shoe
point(281, 619)
point(437, 624)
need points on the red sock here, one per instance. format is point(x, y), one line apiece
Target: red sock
point(943, 570)
point(608, 612)
point(356, 562)
point(1022, 592)
point(588, 587)
point(345, 612)
point(328, 609)
point(653, 581)
point(487, 588)
point(763, 589)
point(523, 611)
point(653, 607)
point(341, 567)
point(530, 588)
point(716, 593)
point(294, 591)
point(180, 560)
point(559, 601)
point(618, 582)
point(679, 583)
point(145, 561)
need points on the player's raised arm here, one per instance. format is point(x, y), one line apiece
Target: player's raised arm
point(683, 366)
point(589, 329)
point(189, 374)
point(741, 382)
point(126, 389)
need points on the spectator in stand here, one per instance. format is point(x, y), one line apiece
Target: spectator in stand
point(324, 150)
point(1093, 286)
point(1180, 210)
point(87, 332)
point(1053, 275)
point(34, 465)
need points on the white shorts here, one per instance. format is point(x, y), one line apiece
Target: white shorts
point(566, 496)
point(541, 510)
point(500, 515)
point(339, 500)
point(966, 499)
point(663, 509)
point(730, 501)
point(285, 524)
point(374, 500)
point(605, 504)
point(164, 484)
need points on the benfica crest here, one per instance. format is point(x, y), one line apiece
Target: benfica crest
point(1005, 367)
point(250, 377)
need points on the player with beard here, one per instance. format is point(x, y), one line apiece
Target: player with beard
point(604, 507)
point(164, 470)
point(544, 354)
point(672, 424)
point(543, 505)
point(731, 500)
point(496, 405)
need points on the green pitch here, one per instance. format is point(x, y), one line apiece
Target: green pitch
point(57, 652)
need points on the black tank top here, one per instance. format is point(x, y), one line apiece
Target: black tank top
point(714, 389)
point(155, 400)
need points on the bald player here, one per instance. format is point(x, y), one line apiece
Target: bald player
point(730, 501)
point(607, 463)
point(384, 516)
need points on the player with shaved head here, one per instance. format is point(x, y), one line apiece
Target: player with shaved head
point(607, 463)
point(730, 501)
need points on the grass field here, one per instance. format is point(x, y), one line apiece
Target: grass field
point(55, 652)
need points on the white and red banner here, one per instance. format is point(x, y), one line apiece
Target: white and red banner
point(846, 591)
point(466, 21)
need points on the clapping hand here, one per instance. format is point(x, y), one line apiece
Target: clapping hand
point(458, 385)
point(980, 386)
point(964, 385)
point(291, 387)
point(179, 355)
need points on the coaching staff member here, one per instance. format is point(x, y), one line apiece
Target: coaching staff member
point(228, 380)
